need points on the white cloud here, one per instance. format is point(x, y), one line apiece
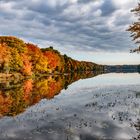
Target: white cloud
point(6, 6)
point(125, 4)
point(82, 10)
point(73, 1)
point(54, 3)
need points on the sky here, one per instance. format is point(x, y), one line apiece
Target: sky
point(91, 30)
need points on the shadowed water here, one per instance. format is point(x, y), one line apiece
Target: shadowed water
point(105, 106)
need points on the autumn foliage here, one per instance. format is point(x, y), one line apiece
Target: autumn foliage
point(16, 56)
point(20, 59)
point(15, 97)
point(134, 28)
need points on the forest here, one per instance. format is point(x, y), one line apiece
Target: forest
point(26, 59)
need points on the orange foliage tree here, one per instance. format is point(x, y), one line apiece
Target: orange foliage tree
point(4, 58)
point(55, 60)
point(39, 62)
point(27, 65)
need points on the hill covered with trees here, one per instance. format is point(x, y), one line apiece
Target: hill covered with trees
point(28, 59)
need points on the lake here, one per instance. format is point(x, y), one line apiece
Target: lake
point(84, 106)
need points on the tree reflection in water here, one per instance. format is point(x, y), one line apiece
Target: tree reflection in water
point(16, 96)
point(137, 127)
point(137, 123)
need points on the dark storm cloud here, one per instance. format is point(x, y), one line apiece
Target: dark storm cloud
point(87, 25)
point(107, 8)
point(85, 1)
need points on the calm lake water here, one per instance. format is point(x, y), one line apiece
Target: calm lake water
point(70, 107)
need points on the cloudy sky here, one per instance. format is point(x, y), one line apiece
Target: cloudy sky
point(92, 30)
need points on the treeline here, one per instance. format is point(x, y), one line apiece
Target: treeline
point(16, 56)
point(139, 68)
point(122, 68)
